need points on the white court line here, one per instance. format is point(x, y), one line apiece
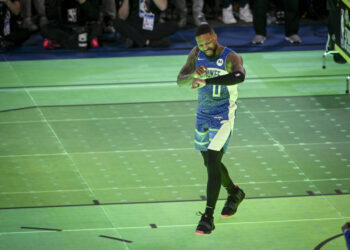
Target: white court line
point(103, 118)
point(259, 222)
point(172, 149)
point(171, 186)
point(166, 116)
point(178, 226)
point(97, 86)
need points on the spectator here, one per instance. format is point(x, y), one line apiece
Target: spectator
point(10, 34)
point(333, 22)
point(245, 13)
point(291, 20)
point(197, 12)
point(108, 15)
point(138, 21)
point(69, 21)
point(26, 13)
point(181, 9)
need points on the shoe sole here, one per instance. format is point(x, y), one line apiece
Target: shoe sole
point(198, 232)
point(291, 41)
point(229, 22)
point(227, 216)
point(258, 42)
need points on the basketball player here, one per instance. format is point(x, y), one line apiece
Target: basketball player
point(214, 70)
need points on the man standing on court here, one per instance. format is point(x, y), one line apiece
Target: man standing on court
point(214, 70)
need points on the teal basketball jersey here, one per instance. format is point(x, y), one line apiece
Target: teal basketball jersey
point(213, 99)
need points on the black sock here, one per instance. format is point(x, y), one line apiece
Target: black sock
point(209, 211)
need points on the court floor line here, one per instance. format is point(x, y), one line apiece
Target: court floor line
point(151, 102)
point(172, 82)
point(171, 186)
point(167, 116)
point(257, 222)
point(97, 86)
point(182, 225)
point(65, 151)
point(168, 201)
point(170, 149)
point(102, 119)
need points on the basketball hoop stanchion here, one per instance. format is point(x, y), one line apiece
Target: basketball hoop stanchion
point(338, 43)
point(325, 54)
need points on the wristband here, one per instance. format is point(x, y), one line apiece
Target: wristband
point(228, 79)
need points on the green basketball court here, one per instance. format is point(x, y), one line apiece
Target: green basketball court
point(98, 154)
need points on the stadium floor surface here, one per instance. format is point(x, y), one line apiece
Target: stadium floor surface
point(98, 154)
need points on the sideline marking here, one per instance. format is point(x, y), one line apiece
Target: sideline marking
point(187, 225)
point(115, 238)
point(170, 201)
point(42, 228)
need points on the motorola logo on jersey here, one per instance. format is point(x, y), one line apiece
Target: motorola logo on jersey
point(220, 62)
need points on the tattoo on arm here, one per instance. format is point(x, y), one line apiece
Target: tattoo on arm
point(186, 74)
point(234, 63)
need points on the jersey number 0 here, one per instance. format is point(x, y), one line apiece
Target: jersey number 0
point(216, 90)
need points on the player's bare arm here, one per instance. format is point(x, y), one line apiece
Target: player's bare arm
point(234, 63)
point(188, 71)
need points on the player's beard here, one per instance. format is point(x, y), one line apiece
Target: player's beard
point(213, 55)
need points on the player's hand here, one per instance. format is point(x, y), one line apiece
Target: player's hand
point(201, 70)
point(198, 83)
point(346, 226)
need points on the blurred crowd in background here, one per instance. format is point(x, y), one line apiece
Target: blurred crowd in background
point(87, 24)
